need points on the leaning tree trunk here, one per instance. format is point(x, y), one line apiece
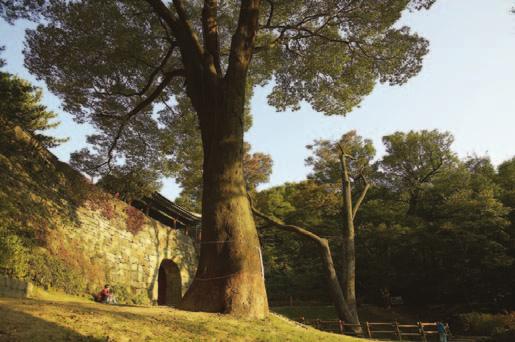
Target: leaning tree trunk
point(229, 278)
point(340, 303)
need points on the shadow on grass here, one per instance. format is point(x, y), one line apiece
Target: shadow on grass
point(172, 321)
point(19, 326)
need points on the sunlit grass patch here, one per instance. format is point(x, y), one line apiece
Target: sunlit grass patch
point(75, 319)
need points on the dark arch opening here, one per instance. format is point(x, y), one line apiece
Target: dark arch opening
point(169, 290)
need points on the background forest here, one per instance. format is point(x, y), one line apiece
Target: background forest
point(434, 229)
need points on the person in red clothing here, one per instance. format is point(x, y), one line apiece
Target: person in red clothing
point(105, 296)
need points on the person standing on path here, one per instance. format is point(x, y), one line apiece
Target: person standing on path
point(442, 332)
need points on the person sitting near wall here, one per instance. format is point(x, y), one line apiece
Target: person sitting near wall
point(105, 296)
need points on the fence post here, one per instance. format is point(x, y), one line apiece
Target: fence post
point(396, 326)
point(421, 331)
point(340, 324)
point(368, 330)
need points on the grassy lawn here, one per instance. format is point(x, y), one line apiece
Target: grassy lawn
point(66, 319)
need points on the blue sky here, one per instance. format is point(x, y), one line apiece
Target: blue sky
point(467, 87)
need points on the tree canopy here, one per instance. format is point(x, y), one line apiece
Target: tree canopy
point(21, 106)
point(11, 10)
point(104, 58)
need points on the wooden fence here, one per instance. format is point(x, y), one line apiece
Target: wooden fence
point(421, 331)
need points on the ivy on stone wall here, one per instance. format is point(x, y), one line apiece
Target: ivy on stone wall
point(135, 220)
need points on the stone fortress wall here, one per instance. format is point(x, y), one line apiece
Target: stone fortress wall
point(134, 259)
point(40, 193)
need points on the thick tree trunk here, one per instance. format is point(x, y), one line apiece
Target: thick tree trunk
point(229, 278)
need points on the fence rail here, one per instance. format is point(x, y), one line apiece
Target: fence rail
point(378, 330)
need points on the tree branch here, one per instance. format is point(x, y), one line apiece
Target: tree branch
point(186, 38)
point(291, 228)
point(156, 71)
point(181, 12)
point(434, 171)
point(191, 50)
point(242, 42)
point(138, 108)
point(271, 13)
point(346, 184)
point(360, 198)
point(164, 12)
point(210, 32)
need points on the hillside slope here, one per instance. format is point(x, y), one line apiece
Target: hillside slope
point(51, 320)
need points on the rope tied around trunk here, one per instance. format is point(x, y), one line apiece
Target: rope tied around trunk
point(210, 242)
point(216, 278)
point(231, 274)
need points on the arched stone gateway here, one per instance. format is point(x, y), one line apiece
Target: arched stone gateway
point(169, 284)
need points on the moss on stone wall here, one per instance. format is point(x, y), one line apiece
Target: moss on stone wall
point(59, 230)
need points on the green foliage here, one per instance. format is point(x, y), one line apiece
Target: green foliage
point(103, 58)
point(124, 295)
point(454, 246)
point(325, 160)
point(292, 265)
point(2, 61)
point(130, 184)
point(257, 167)
point(317, 205)
point(11, 10)
point(121, 293)
point(32, 181)
point(506, 175)
point(503, 335)
point(443, 239)
point(506, 180)
point(50, 271)
point(334, 69)
point(14, 256)
point(481, 324)
point(413, 159)
point(20, 105)
point(140, 298)
point(21, 258)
